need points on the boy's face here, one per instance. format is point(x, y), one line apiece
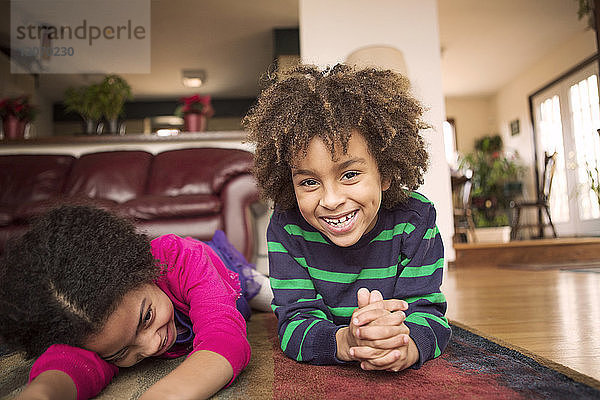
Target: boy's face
point(339, 197)
point(143, 325)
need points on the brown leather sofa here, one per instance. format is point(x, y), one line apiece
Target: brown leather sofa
point(189, 192)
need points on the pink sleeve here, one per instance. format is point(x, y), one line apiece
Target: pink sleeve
point(198, 283)
point(89, 372)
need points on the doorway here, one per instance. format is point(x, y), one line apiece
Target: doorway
point(566, 117)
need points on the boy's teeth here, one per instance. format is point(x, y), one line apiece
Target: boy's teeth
point(339, 220)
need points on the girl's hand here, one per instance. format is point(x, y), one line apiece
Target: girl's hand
point(51, 384)
point(200, 376)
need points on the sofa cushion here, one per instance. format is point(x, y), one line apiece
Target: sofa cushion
point(151, 207)
point(32, 177)
point(196, 171)
point(26, 211)
point(113, 175)
point(6, 214)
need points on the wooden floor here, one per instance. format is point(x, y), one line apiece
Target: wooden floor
point(553, 314)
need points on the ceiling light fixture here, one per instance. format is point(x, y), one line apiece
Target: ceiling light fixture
point(193, 77)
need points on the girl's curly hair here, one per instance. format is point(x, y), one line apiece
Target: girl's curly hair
point(63, 278)
point(306, 102)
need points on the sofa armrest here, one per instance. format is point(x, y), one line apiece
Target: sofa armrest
point(155, 207)
point(237, 196)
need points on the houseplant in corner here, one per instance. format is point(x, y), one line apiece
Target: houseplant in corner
point(593, 173)
point(113, 92)
point(496, 182)
point(16, 113)
point(84, 101)
point(594, 179)
point(194, 110)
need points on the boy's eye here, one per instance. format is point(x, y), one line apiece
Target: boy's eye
point(308, 182)
point(350, 175)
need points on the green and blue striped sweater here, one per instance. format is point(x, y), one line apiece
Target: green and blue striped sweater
point(315, 281)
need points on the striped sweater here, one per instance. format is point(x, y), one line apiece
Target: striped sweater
point(315, 281)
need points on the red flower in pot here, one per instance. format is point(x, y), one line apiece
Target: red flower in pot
point(16, 113)
point(195, 110)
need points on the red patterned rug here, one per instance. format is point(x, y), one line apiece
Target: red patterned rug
point(472, 367)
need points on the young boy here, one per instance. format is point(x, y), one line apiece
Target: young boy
point(355, 257)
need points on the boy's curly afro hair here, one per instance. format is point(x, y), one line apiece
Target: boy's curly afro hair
point(62, 279)
point(306, 102)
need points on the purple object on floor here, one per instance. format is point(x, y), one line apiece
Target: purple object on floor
point(236, 262)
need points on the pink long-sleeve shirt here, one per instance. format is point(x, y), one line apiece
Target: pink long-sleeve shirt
point(199, 285)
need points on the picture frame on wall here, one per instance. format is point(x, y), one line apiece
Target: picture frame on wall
point(515, 128)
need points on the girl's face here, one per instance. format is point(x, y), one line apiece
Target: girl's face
point(339, 197)
point(143, 325)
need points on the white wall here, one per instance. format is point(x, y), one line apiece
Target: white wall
point(332, 29)
point(512, 99)
point(474, 117)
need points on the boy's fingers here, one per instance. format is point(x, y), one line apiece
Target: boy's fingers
point(368, 316)
point(385, 339)
point(367, 353)
point(392, 318)
point(381, 332)
point(375, 296)
point(389, 305)
point(385, 362)
point(363, 297)
point(378, 316)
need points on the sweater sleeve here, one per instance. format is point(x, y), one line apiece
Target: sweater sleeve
point(305, 325)
point(420, 280)
point(89, 372)
point(198, 282)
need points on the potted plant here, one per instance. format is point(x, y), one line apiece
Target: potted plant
point(586, 10)
point(16, 113)
point(594, 179)
point(84, 101)
point(593, 174)
point(194, 110)
point(113, 91)
point(496, 182)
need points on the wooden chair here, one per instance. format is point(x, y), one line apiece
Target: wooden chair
point(461, 200)
point(541, 204)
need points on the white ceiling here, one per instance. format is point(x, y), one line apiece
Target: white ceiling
point(485, 43)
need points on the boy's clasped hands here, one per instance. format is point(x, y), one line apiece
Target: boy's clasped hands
point(377, 335)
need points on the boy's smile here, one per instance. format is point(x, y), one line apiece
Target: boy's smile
point(339, 197)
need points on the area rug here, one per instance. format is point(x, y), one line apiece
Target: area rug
point(472, 367)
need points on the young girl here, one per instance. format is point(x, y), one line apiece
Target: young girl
point(339, 153)
point(86, 292)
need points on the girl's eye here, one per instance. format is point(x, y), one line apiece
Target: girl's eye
point(148, 316)
point(119, 357)
point(350, 175)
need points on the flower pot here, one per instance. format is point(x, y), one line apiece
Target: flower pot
point(494, 234)
point(194, 122)
point(113, 127)
point(90, 127)
point(13, 127)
